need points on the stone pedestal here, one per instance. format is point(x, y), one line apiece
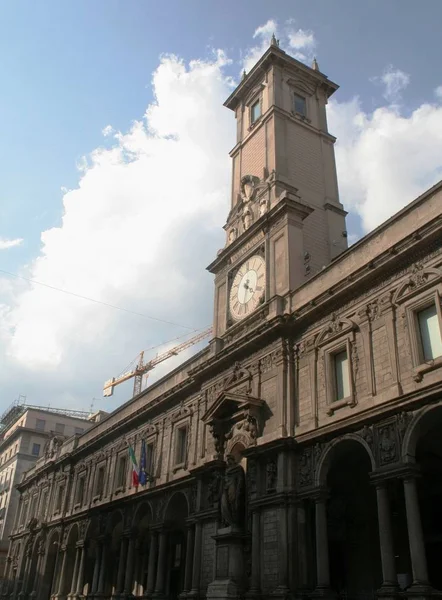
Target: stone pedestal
point(229, 567)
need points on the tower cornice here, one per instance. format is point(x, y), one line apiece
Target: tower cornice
point(274, 55)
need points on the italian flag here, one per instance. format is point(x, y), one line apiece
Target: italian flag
point(135, 480)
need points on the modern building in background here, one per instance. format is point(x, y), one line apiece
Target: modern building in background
point(26, 433)
point(299, 455)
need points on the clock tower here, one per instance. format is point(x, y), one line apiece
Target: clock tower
point(285, 221)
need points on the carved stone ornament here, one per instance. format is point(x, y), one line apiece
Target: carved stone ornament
point(387, 443)
point(366, 434)
point(214, 486)
point(306, 468)
point(403, 419)
point(252, 472)
point(419, 276)
point(233, 494)
point(181, 413)
point(271, 474)
point(234, 416)
point(335, 327)
point(82, 528)
point(249, 184)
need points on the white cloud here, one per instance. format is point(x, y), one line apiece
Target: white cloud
point(146, 218)
point(5, 244)
point(438, 92)
point(300, 43)
point(394, 82)
point(108, 130)
point(385, 159)
point(141, 210)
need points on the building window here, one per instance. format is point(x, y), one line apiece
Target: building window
point(40, 424)
point(43, 505)
point(99, 482)
point(35, 449)
point(255, 111)
point(180, 445)
point(299, 105)
point(149, 458)
point(429, 333)
point(341, 375)
point(79, 430)
point(79, 498)
point(59, 500)
point(59, 428)
point(121, 472)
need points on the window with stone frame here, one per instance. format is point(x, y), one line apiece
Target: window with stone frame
point(80, 489)
point(43, 504)
point(339, 376)
point(181, 433)
point(59, 499)
point(423, 316)
point(99, 481)
point(121, 471)
point(299, 105)
point(150, 456)
point(23, 513)
point(255, 110)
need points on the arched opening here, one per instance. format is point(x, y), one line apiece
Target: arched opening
point(71, 550)
point(354, 556)
point(428, 453)
point(91, 549)
point(48, 583)
point(113, 554)
point(142, 521)
point(175, 520)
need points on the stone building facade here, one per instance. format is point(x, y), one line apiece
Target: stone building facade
point(25, 435)
point(300, 453)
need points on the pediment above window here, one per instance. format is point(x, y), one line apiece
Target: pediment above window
point(333, 329)
point(419, 278)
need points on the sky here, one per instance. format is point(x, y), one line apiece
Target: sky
point(114, 166)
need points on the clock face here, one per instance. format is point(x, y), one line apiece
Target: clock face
point(248, 287)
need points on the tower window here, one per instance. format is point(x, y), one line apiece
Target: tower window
point(299, 105)
point(255, 111)
point(342, 375)
point(429, 332)
point(35, 449)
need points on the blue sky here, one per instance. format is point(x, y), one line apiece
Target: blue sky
point(69, 69)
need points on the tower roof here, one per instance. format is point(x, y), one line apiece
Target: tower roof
point(274, 55)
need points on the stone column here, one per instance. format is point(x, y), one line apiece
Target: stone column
point(189, 557)
point(62, 582)
point(153, 550)
point(100, 587)
point(255, 578)
point(75, 573)
point(128, 583)
point(389, 575)
point(97, 568)
point(80, 579)
point(415, 533)
point(196, 575)
point(282, 588)
point(322, 564)
point(161, 566)
point(122, 564)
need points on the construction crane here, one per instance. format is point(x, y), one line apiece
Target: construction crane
point(143, 368)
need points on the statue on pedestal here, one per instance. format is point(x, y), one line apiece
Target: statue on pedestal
point(233, 494)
